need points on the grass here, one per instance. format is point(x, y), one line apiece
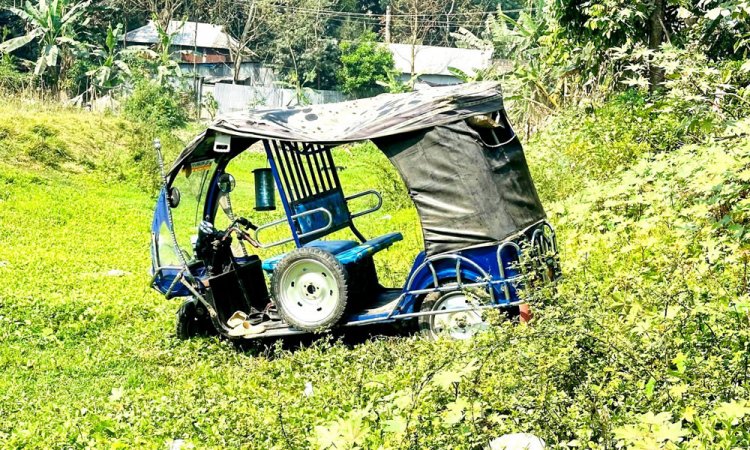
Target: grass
point(644, 344)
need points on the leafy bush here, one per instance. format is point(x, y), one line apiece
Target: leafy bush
point(11, 80)
point(156, 105)
point(364, 63)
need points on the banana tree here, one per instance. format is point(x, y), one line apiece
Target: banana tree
point(53, 24)
point(112, 70)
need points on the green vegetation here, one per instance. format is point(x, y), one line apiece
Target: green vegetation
point(364, 64)
point(637, 129)
point(643, 344)
point(157, 105)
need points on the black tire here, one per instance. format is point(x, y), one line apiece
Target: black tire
point(193, 320)
point(297, 296)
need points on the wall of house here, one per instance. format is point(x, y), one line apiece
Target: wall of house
point(250, 73)
point(234, 97)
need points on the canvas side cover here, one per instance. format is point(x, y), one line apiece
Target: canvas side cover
point(467, 193)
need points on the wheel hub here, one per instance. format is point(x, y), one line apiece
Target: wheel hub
point(458, 325)
point(309, 291)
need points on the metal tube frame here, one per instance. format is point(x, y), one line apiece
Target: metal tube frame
point(295, 236)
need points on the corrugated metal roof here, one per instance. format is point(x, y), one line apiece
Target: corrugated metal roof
point(430, 60)
point(208, 35)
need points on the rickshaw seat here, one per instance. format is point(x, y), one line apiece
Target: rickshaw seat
point(347, 252)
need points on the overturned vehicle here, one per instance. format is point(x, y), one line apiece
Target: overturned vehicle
point(464, 169)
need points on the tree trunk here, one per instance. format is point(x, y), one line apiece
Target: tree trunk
point(655, 39)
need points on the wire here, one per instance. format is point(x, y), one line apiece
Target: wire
point(383, 16)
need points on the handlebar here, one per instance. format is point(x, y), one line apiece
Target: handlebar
point(242, 234)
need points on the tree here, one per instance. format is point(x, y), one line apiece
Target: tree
point(160, 11)
point(112, 70)
point(364, 63)
point(303, 48)
point(413, 21)
point(248, 24)
point(54, 25)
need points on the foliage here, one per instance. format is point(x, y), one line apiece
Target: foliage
point(11, 80)
point(112, 70)
point(157, 105)
point(643, 343)
point(55, 26)
point(363, 63)
point(304, 50)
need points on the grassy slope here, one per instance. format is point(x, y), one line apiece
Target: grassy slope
point(88, 359)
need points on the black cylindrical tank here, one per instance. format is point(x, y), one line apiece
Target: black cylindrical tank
point(265, 194)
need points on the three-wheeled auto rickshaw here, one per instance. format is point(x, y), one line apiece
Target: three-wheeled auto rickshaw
point(464, 169)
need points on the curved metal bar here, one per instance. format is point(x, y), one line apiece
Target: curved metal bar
point(369, 210)
point(501, 266)
point(293, 217)
point(428, 262)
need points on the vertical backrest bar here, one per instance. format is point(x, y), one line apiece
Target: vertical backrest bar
point(282, 170)
point(290, 171)
point(313, 177)
point(332, 165)
point(297, 154)
point(326, 169)
point(288, 150)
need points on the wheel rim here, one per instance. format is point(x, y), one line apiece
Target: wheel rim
point(309, 292)
point(459, 325)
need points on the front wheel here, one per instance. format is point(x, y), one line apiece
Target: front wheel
point(310, 289)
point(459, 325)
point(193, 320)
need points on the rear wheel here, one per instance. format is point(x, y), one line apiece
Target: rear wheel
point(310, 290)
point(459, 325)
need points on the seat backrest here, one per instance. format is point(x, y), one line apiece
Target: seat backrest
point(310, 181)
point(334, 202)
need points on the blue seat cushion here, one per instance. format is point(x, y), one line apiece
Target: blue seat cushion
point(346, 252)
point(334, 247)
point(368, 248)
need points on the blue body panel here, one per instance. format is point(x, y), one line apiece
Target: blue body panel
point(479, 264)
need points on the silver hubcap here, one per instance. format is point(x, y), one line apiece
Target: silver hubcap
point(309, 292)
point(459, 325)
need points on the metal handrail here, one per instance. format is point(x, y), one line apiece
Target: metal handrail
point(369, 210)
point(294, 217)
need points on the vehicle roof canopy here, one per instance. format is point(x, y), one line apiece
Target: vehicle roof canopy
point(351, 121)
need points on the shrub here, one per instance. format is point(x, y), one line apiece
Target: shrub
point(11, 80)
point(364, 63)
point(156, 105)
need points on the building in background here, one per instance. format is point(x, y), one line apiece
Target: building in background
point(432, 64)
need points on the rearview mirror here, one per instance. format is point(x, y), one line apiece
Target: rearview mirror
point(226, 183)
point(174, 197)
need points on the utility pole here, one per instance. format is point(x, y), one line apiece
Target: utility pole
point(388, 24)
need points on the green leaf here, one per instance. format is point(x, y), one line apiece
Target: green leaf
point(454, 412)
point(714, 13)
point(51, 53)
point(447, 378)
point(649, 389)
point(14, 44)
